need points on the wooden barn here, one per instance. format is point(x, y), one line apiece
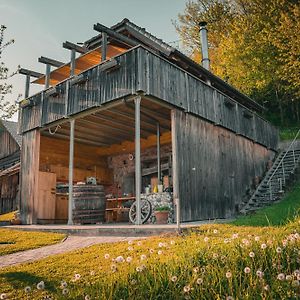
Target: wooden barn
point(10, 145)
point(129, 121)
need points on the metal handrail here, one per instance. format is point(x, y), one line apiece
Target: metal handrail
point(281, 161)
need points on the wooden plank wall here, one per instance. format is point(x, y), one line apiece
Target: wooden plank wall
point(216, 168)
point(29, 175)
point(54, 157)
point(8, 145)
point(9, 186)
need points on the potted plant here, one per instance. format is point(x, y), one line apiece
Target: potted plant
point(162, 214)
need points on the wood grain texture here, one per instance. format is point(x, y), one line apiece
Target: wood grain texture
point(8, 145)
point(215, 168)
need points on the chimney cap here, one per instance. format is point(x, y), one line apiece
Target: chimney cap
point(202, 23)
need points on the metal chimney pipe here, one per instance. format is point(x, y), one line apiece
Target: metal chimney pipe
point(204, 45)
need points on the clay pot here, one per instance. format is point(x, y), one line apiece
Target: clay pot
point(162, 217)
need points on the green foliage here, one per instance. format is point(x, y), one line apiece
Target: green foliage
point(254, 46)
point(278, 214)
point(6, 109)
point(162, 208)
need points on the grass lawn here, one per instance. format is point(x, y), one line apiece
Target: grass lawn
point(8, 216)
point(212, 262)
point(13, 241)
point(277, 214)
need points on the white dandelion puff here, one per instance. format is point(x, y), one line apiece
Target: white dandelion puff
point(186, 288)
point(228, 274)
point(281, 276)
point(278, 250)
point(251, 254)
point(143, 257)
point(159, 252)
point(65, 291)
point(27, 289)
point(247, 270)
point(40, 285)
point(120, 259)
point(63, 284)
point(174, 278)
point(263, 246)
point(3, 296)
point(106, 256)
point(199, 281)
point(129, 259)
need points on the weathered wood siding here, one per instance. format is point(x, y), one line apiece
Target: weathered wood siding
point(215, 168)
point(9, 186)
point(8, 145)
point(29, 175)
point(139, 69)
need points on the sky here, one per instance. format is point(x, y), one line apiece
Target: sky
point(39, 27)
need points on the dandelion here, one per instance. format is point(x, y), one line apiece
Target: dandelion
point(139, 269)
point(186, 288)
point(77, 276)
point(278, 250)
point(160, 245)
point(120, 259)
point(206, 239)
point(130, 242)
point(151, 251)
point(196, 269)
point(229, 298)
point(281, 276)
point(215, 231)
point(133, 282)
point(172, 242)
point(295, 283)
point(63, 284)
point(257, 238)
point(226, 241)
point(215, 255)
point(251, 254)
point(129, 259)
point(228, 275)
point(235, 235)
point(259, 273)
point(263, 246)
point(267, 288)
point(143, 257)
point(3, 296)
point(106, 256)
point(87, 297)
point(40, 285)
point(159, 252)
point(113, 267)
point(92, 273)
point(247, 270)
point(284, 243)
point(27, 289)
point(139, 243)
point(199, 281)
point(289, 278)
point(174, 278)
point(130, 248)
point(65, 291)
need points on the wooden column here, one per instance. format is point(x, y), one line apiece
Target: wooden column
point(71, 167)
point(73, 62)
point(175, 168)
point(30, 157)
point(104, 46)
point(158, 153)
point(138, 172)
point(27, 86)
point(47, 79)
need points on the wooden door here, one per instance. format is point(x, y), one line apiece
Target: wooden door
point(47, 197)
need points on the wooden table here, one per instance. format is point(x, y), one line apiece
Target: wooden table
point(115, 211)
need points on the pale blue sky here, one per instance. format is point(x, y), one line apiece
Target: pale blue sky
point(39, 27)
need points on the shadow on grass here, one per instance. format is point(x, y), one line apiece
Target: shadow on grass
point(23, 279)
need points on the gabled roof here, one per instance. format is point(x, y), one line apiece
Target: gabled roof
point(12, 128)
point(145, 38)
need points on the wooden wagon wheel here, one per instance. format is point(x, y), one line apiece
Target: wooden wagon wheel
point(146, 211)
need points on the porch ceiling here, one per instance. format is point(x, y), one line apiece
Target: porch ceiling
point(115, 125)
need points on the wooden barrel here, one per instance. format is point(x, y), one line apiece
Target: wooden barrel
point(89, 204)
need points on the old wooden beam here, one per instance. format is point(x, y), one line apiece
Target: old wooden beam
point(30, 73)
point(158, 154)
point(138, 169)
point(47, 79)
point(50, 61)
point(71, 46)
point(71, 172)
point(73, 62)
point(27, 86)
point(101, 28)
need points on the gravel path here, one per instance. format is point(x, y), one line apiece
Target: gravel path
point(69, 244)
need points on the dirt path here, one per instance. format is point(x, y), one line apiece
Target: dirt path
point(70, 244)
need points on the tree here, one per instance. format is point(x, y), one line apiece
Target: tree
point(6, 109)
point(254, 46)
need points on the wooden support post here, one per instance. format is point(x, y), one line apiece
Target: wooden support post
point(158, 153)
point(175, 168)
point(73, 62)
point(138, 172)
point(71, 165)
point(47, 79)
point(27, 86)
point(104, 46)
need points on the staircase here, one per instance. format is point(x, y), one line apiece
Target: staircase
point(273, 185)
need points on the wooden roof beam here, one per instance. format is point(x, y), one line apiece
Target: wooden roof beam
point(71, 46)
point(126, 40)
point(30, 73)
point(50, 61)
